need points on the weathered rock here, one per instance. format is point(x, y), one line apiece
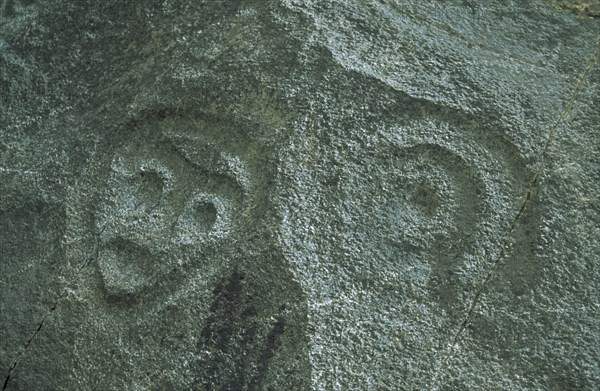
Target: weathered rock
point(275, 195)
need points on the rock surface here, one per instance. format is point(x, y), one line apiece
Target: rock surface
point(299, 195)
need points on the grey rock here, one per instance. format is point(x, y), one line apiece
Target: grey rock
point(593, 10)
point(299, 195)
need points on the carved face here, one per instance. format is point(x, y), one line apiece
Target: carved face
point(169, 203)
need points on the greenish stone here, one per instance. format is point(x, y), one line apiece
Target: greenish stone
point(299, 195)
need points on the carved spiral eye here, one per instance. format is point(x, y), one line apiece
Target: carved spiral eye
point(204, 213)
point(150, 187)
point(426, 188)
point(136, 187)
point(426, 197)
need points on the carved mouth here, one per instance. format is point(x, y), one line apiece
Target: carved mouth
point(126, 267)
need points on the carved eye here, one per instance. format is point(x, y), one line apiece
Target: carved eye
point(204, 213)
point(204, 217)
point(150, 180)
point(428, 192)
point(150, 187)
point(136, 187)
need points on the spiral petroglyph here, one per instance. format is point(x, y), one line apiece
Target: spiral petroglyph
point(415, 209)
point(445, 190)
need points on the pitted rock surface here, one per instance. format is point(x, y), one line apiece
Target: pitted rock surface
point(299, 195)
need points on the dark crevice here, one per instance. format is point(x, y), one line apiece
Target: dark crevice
point(27, 345)
point(271, 345)
point(29, 342)
point(240, 349)
point(529, 196)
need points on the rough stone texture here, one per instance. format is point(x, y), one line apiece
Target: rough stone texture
point(299, 195)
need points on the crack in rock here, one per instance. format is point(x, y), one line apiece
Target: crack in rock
point(535, 181)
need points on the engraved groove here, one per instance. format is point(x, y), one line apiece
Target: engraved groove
point(436, 211)
point(456, 184)
point(523, 214)
point(175, 192)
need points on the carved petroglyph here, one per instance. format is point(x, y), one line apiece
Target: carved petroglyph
point(172, 198)
point(434, 209)
point(446, 190)
point(430, 182)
